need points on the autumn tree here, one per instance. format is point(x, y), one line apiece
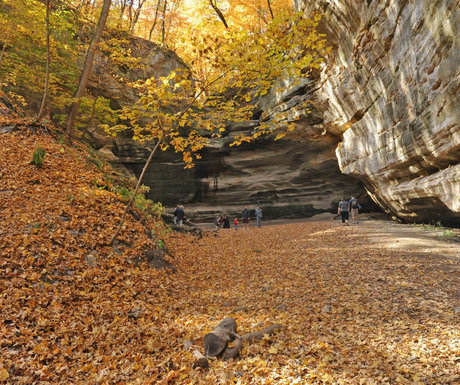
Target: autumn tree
point(134, 9)
point(48, 60)
point(87, 67)
point(24, 53)
point(241, 68)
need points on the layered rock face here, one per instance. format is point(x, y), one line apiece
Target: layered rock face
point(385, 102)
point(153, 61)
point(392, 87)
point(287, 178)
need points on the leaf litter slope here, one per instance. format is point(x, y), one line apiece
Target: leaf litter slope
point(350, 314)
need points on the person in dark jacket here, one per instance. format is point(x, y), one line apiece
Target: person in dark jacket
point(245, 216)
point(343, 210)
point(225, 222)
point(179, 215)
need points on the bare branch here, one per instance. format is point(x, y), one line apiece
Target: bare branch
point(270, 9)
point(48, 60)
point(218, 12)
point(139, 181)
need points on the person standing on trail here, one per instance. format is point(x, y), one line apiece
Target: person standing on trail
point(225, 222)
point(175, 216)
point(245, 216)
point(258, 216)
point(218, 222)
point(343, 210)
point(179, 215)
point(354, 207)
point(235, 223)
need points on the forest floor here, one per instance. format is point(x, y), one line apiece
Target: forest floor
point(375, 303)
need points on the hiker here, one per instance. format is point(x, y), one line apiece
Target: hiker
point(354, 208)
point(225, 222)
point(343, 210)
point(245, 215)
point(179, 215)
point(258, 216)
point(175, 216)
point(218, 222)
point(235, 223)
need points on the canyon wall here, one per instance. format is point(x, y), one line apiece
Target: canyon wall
point(384, 119)
point(391, 86)
point(291, 178)
point(288, 178)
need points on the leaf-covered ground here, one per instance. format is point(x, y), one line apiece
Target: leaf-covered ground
point(74, 311)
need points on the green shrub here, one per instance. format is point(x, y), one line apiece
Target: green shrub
point(147, 206)
point(38, 156)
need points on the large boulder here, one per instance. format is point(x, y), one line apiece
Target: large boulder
point(392, 88)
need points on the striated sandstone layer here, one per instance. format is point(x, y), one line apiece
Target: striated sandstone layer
point(392, 87)
point(289, 179)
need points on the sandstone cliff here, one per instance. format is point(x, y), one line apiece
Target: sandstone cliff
point(287, 178)
point(384, 116)
point(392, 86)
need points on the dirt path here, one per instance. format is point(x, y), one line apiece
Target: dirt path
point(412, 238)
point(386, 234)
point(375, 304)
point(416, 239)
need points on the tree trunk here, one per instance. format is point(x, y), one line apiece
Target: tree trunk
point(122, 11)
point(234, 351)
point(163, 28)
point(48, 60)
point(87, 68)
point(137, 13)
point(5, 42)
point(171, 11)
point(154, 20)
point(216, 343)
point(130, 14)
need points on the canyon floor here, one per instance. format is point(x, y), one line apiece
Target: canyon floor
point(383, 233)
point(374, 303)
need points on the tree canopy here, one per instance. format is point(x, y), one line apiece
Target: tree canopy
point(235, 50)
